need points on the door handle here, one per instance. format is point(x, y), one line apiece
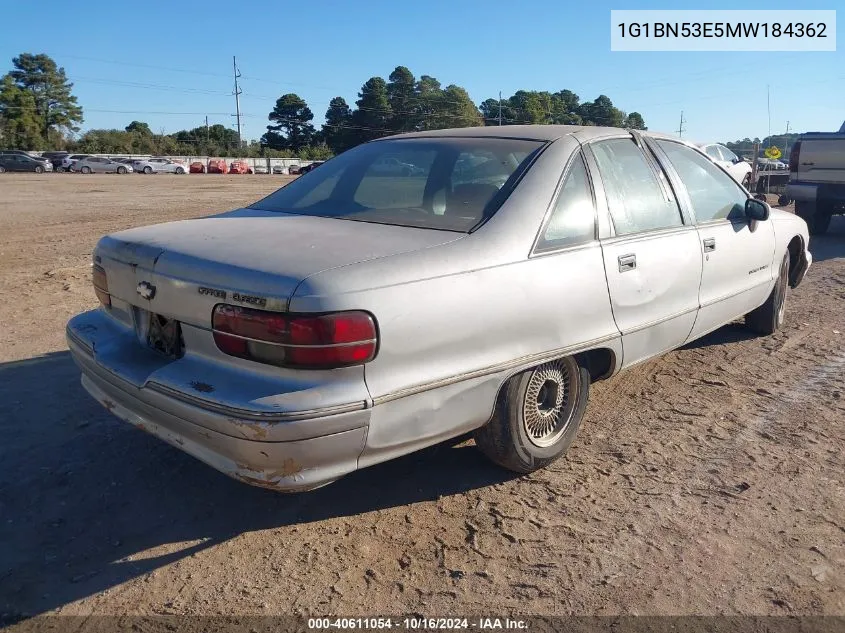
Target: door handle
point(627, 262)
point(709, 244)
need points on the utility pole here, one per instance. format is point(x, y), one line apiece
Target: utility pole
point(681, 126)
point(500, 107)
point(769, 111)
point(237, 94)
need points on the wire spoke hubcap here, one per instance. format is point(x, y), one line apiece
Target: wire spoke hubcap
point(549, 403)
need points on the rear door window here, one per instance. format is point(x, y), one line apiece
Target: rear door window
point(637, 200)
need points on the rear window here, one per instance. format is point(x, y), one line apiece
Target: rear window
point(446, 183)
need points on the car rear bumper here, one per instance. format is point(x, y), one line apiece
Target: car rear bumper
point(287, 454)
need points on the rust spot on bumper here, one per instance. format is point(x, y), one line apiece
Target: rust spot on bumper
point(250, 430)
point(202, 387)
point(269, 478)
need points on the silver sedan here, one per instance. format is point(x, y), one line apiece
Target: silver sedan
point(352, 317)
point(99, 165)
point(159, 166)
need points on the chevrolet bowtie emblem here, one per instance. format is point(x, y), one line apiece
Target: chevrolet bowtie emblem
point(146, 290)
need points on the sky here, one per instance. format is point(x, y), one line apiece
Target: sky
point(170, 63)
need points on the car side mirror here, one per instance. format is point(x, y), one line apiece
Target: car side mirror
point(736, 160)
point(756, 210)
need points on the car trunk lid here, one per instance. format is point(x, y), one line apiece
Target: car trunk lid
point(245, 257)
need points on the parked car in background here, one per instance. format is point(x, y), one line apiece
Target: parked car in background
point(158, 166)
point(196, 168)
point(288, 345)
point(817, 177)
point(216, 166)
point(55, 158)
point(770, 164)
point(14, 161)
point(260, 169)
point(69, 161)
point(240, 167)
point(279, 169)
point(311, 166)
point(730, 162)
point(392, 166)
point(100, 165)
point(294, 169)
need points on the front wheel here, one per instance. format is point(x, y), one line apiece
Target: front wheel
point(2, 169)
point(768, 318)
point(39, 169)
point(746, 181)
point(537, 416)
point(180, 171)
point(148, 170)
point(121, 170)
point(85, 170)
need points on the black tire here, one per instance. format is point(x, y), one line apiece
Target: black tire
point(180, 171)
point(2, 169)
point(148, 170)
point(746, 181)
point(121, 170)
point(783, 200)
point(85, 170)
point(39, 169)
point(817, 216)
point(518, 436)
point(768, 318)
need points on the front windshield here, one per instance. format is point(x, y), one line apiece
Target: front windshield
point(448, 183)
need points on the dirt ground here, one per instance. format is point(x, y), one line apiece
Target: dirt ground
point(710, 481)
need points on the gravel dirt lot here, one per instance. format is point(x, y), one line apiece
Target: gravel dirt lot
point(710, 481)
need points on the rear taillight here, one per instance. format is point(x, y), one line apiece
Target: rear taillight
point(321, 341)
point(101, 285)
point(793, 156)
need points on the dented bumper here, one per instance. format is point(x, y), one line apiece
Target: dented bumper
point(288, 451)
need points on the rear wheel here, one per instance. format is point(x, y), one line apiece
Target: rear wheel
point(2, 169)
point(768, 318)
point(537, 416)
point(85, 170)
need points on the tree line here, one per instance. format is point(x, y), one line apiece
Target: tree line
point(38, 112)
point(745, 147)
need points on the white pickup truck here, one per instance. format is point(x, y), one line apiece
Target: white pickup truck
point(817, 178)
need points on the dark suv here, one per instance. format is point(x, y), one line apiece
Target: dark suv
point(55, 158)
point(15, 160)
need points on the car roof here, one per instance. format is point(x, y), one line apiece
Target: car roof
point(529, 132)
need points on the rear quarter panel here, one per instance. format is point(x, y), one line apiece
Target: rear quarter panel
point(466, 317)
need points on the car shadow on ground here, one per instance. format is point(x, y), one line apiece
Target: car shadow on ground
point(831, 245)
point(80, 491)
point(725, 335)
